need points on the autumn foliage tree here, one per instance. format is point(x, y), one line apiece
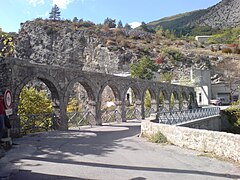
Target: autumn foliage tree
point(33, 105)
point(6, 44)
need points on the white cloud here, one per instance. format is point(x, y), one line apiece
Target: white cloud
point(62, 3)
point(34, 3)
point(135, 24)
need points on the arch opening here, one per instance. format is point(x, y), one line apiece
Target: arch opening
point(38, 106)
point(109, 99)
point(174, 101)
point(79, 108)
point(163, 101)
point(149, 103)
point(133, 104)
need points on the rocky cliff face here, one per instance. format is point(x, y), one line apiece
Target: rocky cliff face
point(108, 51)
point(60, 44)
point(223, 15)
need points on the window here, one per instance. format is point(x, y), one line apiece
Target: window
point(200, 97)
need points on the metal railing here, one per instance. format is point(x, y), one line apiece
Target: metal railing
point(133, 113)
point(31, 123)
point(77, 119)
point(148, 112)
point(110, 116)
point(177, 117)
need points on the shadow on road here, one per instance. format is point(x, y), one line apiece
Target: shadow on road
point(60, 147)
point(133, 168)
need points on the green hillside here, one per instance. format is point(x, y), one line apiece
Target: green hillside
point(180, 23)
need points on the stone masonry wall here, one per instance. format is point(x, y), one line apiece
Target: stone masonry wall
point(212, 123)
point(220, 143)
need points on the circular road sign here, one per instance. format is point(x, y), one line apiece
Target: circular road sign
point(8, 98)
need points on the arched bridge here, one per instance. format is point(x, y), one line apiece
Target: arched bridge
point(15, 74)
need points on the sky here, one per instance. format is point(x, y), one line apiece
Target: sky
point(14, 12)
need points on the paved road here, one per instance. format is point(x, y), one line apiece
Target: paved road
point(112, 152)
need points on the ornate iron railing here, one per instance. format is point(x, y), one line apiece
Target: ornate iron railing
point(148, 112)
point(177, 117)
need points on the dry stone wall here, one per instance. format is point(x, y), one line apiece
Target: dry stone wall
point(220, 143)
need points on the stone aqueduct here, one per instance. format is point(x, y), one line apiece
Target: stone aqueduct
point(15, 74)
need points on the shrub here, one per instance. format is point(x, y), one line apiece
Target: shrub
point(158, 138)
point(237, 51)
point(227, 50)
point(233, 115)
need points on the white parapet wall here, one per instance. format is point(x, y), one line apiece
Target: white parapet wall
point(219, 143)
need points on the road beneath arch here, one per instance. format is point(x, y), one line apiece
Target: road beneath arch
point(111, 152)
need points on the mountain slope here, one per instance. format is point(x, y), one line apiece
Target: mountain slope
point(225, 14)
point(179, 20)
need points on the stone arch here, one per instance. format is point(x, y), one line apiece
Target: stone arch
point(114, 88)
point(91, 103)
point(113, 112)
point(57, 101)
point(174, 101)
point(88, 85)
point(137, 102)
point(163, 100)
point(183, 100)
point(191, 100)
point(153, 102)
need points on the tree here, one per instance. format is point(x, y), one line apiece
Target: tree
point(233, 116)
point(75, 20)
point(120, 25)
point(144, 27)
point(147, 99)
point(55, 13)
point(6, 44)
point(166, 77)
point(144, 68)
point(32, 106)
point(127, 27)
point(111, 23)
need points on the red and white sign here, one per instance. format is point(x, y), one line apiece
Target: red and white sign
point(8, 98)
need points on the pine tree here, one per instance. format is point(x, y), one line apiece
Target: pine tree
point(111, 23)
point(75, 19)
point(120, 25)
point(55, 13)
point(127, 27)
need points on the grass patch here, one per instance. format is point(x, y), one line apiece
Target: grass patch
point(158, 138)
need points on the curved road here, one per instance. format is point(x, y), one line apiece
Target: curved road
point(111, 152)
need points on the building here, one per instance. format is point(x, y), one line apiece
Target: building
point(201, 80)
point(202, 39)
point(226, 92)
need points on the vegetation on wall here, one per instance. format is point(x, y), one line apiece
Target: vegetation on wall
point(6, 44)
point(158, 138)
point(144, 68)
point(233, 115)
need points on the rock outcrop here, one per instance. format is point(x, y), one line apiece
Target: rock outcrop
point(225, 14)
point(57, 43)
